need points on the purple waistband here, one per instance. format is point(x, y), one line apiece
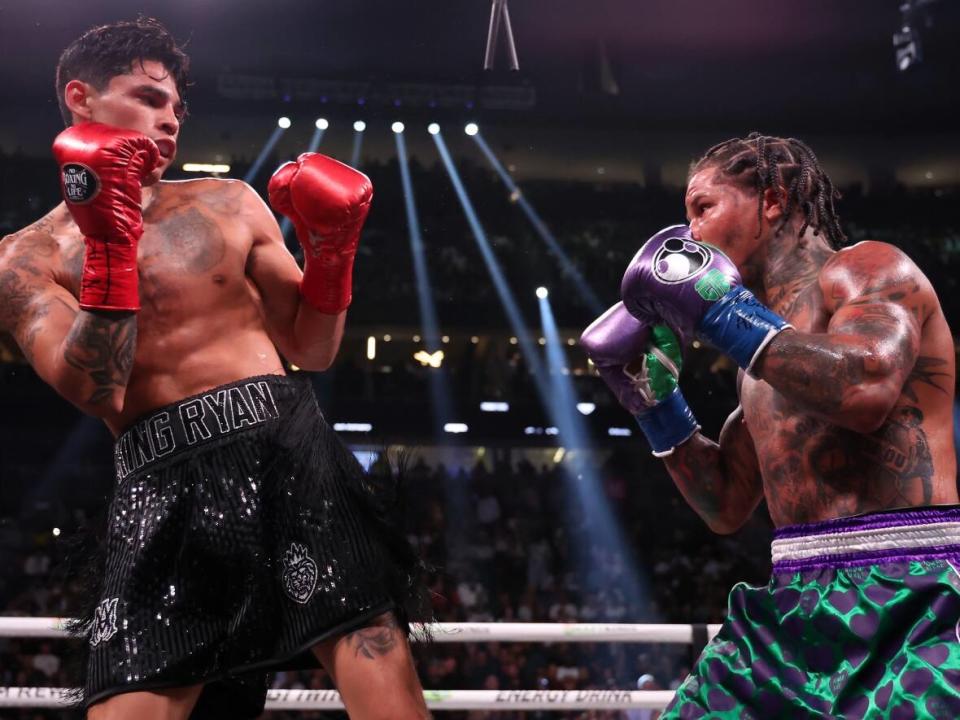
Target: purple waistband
point(909, 534)
point(873, 521)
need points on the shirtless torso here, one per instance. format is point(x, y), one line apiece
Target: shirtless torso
point(218, 293)
point(849, 412)
point(813, 469)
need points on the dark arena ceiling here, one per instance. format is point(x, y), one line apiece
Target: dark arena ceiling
point(815, 66)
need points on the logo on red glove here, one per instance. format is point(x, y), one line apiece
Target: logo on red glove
point(80, 183)
point(679, 259)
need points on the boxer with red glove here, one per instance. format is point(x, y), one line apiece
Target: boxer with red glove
point(102, 169)
point(641, 364)
point(328, 203)
point(698, 290)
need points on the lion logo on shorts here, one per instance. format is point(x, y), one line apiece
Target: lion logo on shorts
point(104, 622)
point(299, 574)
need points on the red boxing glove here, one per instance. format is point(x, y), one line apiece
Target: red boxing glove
point(101, 171)
point(327, 202)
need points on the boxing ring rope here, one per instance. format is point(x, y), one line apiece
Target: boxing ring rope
point(505, 700)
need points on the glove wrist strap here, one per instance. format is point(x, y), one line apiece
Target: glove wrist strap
point(328, 287)
point(668, 424)
point(109, 280)
point(741, 326)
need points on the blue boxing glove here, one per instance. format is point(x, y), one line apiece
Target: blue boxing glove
point(697, 289)
point(641, 364)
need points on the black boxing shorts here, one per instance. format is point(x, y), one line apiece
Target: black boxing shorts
point(241, 533)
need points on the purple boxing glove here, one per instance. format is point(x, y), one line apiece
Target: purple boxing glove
point(641, 364)
point(696, 289)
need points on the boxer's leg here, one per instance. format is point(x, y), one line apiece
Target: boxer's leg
point(160, 704)
point(373, 669)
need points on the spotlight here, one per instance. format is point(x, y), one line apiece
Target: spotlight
point(585, 408)
point(206, 167)
point(283, 122)
point(371, 348)
point(433, 128)
point(542, 293)
point(416, 338)
point(494, 406)
point(322, 124)
point(397, 127)
point(471, 129)
point(434, 359)
point(445, 339)
point(353, 427)
point(359, 126)
point(908, 40)
point(56, 532)
point(455, 428)
point(907, 48)
point(619, 432)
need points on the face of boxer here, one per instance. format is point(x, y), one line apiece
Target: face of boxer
point(724, 215)
point(145, 100)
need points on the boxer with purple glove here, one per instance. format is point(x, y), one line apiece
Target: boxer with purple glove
point(844, 428)
point(641, 365)
point(697, 289)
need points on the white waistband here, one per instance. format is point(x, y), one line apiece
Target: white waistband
point(901, 537)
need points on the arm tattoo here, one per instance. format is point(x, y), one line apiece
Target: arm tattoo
point(375, 640)
point(825, 372)
point(927, 370)
point(102, 345)
point(696, 473)
point(723, 486)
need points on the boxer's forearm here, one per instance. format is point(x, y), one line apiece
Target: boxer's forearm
point(721, 489)
point(316, 338)
point(850, 380)
point(98, 352)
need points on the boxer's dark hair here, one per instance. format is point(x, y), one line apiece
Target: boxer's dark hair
point(106, 51)
point(789, 168)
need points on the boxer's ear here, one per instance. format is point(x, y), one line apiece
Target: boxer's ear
point(77, 95)
point(773, 205)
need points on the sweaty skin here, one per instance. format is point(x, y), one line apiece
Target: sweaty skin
point(851, 411)
point(219, 292)
point(204, 319)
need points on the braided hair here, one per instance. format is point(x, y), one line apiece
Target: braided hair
point(789, 168)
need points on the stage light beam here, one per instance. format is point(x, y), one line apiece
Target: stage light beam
point(441, 395)
point(516, 195)
point(587, 499)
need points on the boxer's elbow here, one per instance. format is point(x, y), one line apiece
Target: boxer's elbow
point(866, 407)
point(316, 359)
point(728, 523)
point(97, 403)
point(315, 364)
point(91, 397)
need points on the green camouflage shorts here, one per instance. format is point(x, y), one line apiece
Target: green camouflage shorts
point(861, 619)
